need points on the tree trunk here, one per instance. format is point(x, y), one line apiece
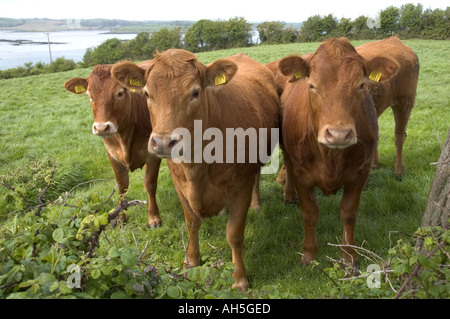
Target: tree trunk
point(437, 212)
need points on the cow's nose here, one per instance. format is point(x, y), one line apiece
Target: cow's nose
point(338, 137)
point(104, 129)
point(161, 145)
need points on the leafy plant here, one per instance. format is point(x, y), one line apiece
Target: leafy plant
point(409, 272)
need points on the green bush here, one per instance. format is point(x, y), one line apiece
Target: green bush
point(408, 272)
point(53, 251)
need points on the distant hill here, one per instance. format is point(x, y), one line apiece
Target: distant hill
point(117, 26)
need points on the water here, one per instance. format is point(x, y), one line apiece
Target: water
point(74, 47)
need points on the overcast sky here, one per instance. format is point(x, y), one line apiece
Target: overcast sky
point(252, 11)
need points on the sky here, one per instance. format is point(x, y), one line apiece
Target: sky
point(167, 10)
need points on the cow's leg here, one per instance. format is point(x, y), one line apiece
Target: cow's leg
point(121, 174)
point(151, 182)
point(122, 179)
point(256, 198)
point(235, 234)
point(349, 213)
point(193, 223)
point(376, 158)
point(401, 116)
point(310, 217)
point(281, 179)
point(289, 188)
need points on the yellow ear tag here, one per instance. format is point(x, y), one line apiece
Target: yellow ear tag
point(298, 75)
point(79, 89)
point(375, 76)
point(220, 79)
point(135, 82)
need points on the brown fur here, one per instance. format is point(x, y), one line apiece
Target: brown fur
point(247, 99)
point(126, 149)
point(396, 89)
point(311, 164)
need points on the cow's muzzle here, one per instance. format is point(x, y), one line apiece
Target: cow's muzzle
point(104, 129)
point(161, 145)
point(337, 136)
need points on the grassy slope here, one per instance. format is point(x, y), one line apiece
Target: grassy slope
point(38, 119)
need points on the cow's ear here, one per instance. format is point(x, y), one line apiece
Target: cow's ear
point(295, 67)
point(381, 69)
point(76, 85)
point(220, 72)
point(129, 75)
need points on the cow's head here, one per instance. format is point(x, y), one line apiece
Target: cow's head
point(109, 100)
point(176, 86)
point(337, 78)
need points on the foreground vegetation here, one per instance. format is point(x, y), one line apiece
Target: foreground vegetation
point(57, 198)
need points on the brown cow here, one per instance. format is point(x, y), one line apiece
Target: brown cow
point(121, 118)
point(236, 92)
point(330, 132)
point(398, 91)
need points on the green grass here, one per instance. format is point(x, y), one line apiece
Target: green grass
point(39, 119)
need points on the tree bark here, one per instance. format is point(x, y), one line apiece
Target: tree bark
point(437, 212)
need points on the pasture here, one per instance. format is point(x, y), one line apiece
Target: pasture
point(41, 123)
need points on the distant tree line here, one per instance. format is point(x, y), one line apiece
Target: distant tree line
point(408, 21)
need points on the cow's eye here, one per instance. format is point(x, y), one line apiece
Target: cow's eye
point(312, 87)
point(362, 86)
point(120, 94)
point(195, 94)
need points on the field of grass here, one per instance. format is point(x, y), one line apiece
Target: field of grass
point(40, 122)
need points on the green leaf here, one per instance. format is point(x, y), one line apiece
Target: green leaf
point(139, 289)
point(127, 258)
point(46, 278)
point(103, 219)
point(27, 283)
point(113, 252)
point(96, 273)
point(58, 235)
point(119, 295)
point(54, 286)
point(174, 292)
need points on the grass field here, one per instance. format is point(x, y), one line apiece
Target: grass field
point(41, 121)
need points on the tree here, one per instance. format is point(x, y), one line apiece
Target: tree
point(410, 21)
point(344, 27)
point(290, 35)
point(270, 32)
point(389, 20)
point(438, 206)
point(110, 51)
point(194, 38)
point(311, 29)
point(238, 32)
point(436, 24)
point(165, 39)
point(139, 48)
point(329, 24)
point(361, 30)
point(205, 35)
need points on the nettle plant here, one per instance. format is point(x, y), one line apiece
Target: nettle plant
point(52, 250)
point(410, 271)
